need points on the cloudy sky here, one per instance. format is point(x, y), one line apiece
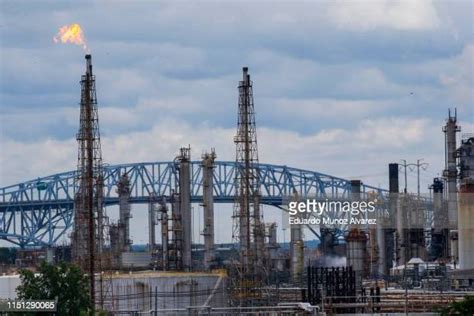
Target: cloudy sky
point(341, 87)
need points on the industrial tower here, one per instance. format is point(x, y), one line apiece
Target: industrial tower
point(249, 230)
point(88, 232)
point(208, 206)
point(450, 173)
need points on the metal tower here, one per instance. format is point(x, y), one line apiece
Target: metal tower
point(88, 231)
point(450, 173)
point(208, 206)
point(123, 191)
point(248, 229)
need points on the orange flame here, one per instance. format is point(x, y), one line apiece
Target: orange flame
point(71, 34)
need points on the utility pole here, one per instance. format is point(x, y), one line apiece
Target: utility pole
point(404, 165)
point(419, 164)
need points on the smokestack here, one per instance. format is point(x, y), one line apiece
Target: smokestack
point(88, 64)
point(355, 188)
point(245, 71)
point(393, 177)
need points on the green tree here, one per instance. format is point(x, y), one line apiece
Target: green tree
point(64, 281)
point(465, 307)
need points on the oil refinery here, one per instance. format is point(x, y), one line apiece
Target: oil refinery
point(418, 256)
point(237, 158)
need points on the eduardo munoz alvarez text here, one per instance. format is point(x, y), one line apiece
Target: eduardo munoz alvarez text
point(318, 208)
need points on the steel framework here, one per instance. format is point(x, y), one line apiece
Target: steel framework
point(248, 230)
point(38, 212)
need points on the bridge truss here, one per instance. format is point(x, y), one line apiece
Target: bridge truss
point(40, 211)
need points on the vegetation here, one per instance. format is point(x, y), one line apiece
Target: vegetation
point(465, 307)
point(63, 281)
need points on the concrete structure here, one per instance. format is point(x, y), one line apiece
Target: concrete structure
point(208, 205)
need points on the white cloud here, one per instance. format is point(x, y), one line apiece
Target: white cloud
point(329, 110)
point(459, 79)
point(20, 160)
point(370, 15)
point(363, 152)
point(388, 137)
point(165, 68)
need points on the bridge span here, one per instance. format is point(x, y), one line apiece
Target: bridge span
point(38, 212)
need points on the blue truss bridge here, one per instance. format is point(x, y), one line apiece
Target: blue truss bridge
point(38, 212)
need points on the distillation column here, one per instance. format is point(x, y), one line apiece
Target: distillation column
point(440, 234)
point(176, 250)
point(259, 238)
point(151, 225)
point(123, 190)
point(272, 246)
point(356, 242)
point(164, 235)
point(450, 174)
point(185, 205)
point(208, 205)
point(296, 248)
point(466, 203)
